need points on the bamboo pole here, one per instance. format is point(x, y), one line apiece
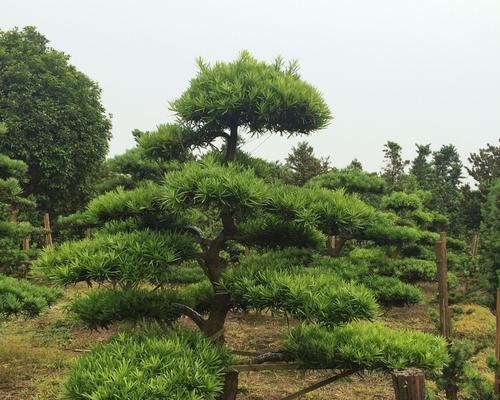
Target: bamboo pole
point(48, 234)
point(442, 275)
point(497, 345)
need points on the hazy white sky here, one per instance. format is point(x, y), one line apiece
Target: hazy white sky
point(425, 71)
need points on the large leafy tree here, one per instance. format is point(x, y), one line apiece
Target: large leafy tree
point(56, 122)
point(203, 213)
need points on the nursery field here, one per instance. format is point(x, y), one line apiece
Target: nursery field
point(37, 354)
point(187, 268)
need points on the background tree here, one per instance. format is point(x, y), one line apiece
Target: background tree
point(485, 166)
point(421, 167)
point(56, 122)
point(304, 165)
point(446, 193)
point(394, 169)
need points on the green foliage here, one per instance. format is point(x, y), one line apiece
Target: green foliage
point(10, 167)
point(43, 95)
point(485, 166)
point(126, 259)
point(490, 239)
point(304, 165)
point(351, 179)
point(394, 169)
point(366, 346)
point(255, 95)
point(401, 201)
point(307, 293)
point(21, 298)
point(268, 170)
point(271, 231)
point(207, 184)
point(180, 365)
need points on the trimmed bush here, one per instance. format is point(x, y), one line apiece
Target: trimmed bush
point(366, 346)
point(181, 365)
point(307, 293)
point(21, 298)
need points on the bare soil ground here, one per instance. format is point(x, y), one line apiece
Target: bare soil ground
point(35, 355)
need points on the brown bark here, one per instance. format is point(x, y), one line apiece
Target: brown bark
point(231, 144)
point(409, 384)
point(334, 245)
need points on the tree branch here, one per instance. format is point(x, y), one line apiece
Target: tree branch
point(269, 357)
point(192, 314)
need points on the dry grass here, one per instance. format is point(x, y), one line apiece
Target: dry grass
point(35, 354)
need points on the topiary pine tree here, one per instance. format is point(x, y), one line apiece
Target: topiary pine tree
point(12, 257)
point(204, 212)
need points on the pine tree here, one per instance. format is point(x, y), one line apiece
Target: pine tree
point(193, 226)
point(394, 169)
point(304, 165)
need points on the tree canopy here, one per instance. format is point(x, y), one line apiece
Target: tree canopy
point(56, 122)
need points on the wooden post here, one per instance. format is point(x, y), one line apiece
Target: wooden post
point(230, 386)
point(497, 345)
point(13, 215)
point(48, 234)
point(88, 233)
point(26, 243)
point(409, 384)
point(442, 275)
point(334, 245)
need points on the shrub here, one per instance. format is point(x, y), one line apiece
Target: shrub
point(180, 365)
point(23, 298)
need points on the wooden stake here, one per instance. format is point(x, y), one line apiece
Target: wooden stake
point(13, 215)
point(497, 344)
point(442, 275)
point(48, 234)
point(409, 384)
point(230, 386)
point(88, 233)
point(26, 243)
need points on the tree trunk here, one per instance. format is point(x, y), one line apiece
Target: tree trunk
point(334, 245)
point(214, 325)
point(231, 144)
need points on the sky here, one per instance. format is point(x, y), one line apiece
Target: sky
point(410, 71)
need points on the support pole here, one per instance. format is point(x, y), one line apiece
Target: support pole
point(26, 243)
point(409, 384)
point(230, 386)
point(88, 233)
point(48, 234)
point(442, 275)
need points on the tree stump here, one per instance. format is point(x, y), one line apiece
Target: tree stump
point(409, 384)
